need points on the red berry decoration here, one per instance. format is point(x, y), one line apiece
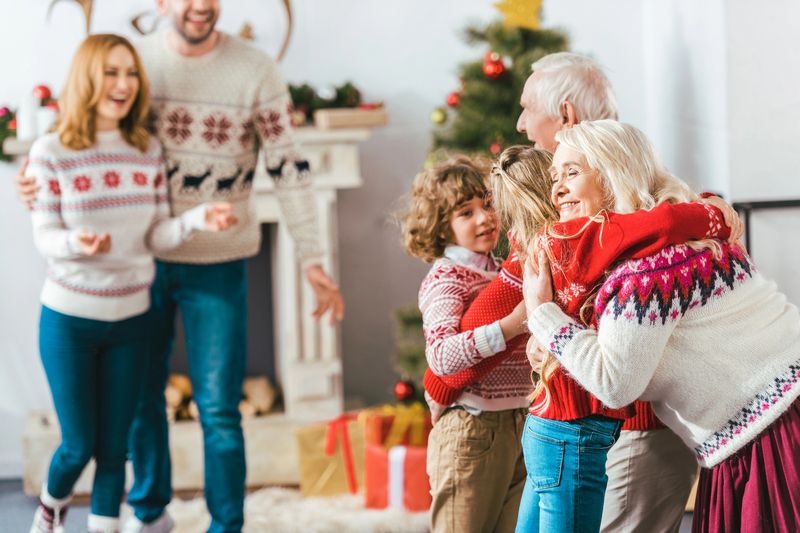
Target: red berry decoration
point(493, 65)
point(453, 99)
point(495, 148)
point(404, 390)
point(42, 92)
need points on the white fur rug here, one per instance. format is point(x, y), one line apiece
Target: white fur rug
point(286, 510)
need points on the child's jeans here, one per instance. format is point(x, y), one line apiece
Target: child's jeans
point(566, 483)
point(94, 369)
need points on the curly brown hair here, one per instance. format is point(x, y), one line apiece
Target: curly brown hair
point(435, 194)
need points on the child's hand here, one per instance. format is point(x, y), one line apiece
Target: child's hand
point(219, 216)
point(91, 244)
point(514, 323)
point(730, 215)
point(437, 409)
point(536, 354)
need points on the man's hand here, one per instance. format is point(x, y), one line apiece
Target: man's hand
point(92, 244)
point(219, 216)
point(26, 187)
point(537, 284)
point(536, 354)
point(327, 293)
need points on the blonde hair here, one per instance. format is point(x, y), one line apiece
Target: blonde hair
point(435, 195)
point(77, 120)
point(577, 79)
point(631, 177)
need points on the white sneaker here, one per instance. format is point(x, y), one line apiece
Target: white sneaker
point(48, 520)
point(162, 524)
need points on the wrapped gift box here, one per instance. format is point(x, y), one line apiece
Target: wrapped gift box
point(396, 456)
point(331, 456)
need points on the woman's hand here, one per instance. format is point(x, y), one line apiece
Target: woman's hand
point(536, 354)
point(92, 244)
point(26, 187)
point(219, 216)
point(537, 284)
point(730, 216)
point(327, 292)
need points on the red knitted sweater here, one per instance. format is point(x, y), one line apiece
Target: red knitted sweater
point(576, 271)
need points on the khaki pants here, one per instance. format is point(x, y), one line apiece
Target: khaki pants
point(650, 475)
point(476, 470)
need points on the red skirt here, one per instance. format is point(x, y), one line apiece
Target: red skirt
point(757, 490)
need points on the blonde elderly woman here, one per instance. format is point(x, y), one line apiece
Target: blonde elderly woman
point(693, 328)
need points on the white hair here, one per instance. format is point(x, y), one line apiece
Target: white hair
point(630, 172)
point(577, 79)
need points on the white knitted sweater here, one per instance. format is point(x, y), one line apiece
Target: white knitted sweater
point(710, 342)
point(213, 113)
point(109, 188)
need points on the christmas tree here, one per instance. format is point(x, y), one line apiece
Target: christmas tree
point(485, 109)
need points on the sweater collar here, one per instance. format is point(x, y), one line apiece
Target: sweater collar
point(463, 256)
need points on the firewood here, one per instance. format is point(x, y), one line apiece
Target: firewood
point(182, 383)
point(173, 396)
point(259, 393)
point(193, 411)
point(247, 409)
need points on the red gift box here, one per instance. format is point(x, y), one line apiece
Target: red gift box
point(396, 477)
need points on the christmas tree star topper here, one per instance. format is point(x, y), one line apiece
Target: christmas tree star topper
point(520, 13)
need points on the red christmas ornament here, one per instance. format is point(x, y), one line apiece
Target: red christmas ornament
point(404, 390)
point(493, 65)
point(12, 124)
point(453, 99)
point(495, 148)
point(42, 92)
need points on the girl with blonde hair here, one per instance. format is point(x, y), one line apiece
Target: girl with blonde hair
point(100, 213)
point(697, 331)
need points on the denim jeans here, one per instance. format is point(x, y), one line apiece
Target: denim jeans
point(213, 304)
point(95, 371)
point(566, 463)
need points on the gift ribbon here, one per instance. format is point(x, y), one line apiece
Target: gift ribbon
point(406, 418)
point(397, 462)
point(337, 429)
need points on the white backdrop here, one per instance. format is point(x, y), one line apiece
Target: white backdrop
point(704, 80)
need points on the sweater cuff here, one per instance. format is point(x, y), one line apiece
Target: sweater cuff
point(552, 327)
point(194, 220)
point(73, 244)
point(482, 341)
point(494, 337)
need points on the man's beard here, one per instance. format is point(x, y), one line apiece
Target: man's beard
point(191, 39)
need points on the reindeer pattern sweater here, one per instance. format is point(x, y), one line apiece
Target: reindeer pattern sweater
point(213, 114)
point(709, 341)
point(446, 292)
point(111, 188)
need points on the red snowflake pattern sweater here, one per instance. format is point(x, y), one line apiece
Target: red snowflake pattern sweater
point(109, 188)
point(634, 235)
point(708, 340)
point(446, 292)
point(213, 114)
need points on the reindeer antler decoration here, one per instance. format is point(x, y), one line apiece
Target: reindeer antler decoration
point(136, 22)
point(86, 6)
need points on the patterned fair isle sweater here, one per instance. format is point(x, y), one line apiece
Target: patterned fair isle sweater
point(584, 261)
point(446, 292)
point(213, 114)
point(110, 188)
point(711, 343)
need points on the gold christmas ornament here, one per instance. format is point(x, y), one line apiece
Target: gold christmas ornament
point(438, 115)
point(521, 13)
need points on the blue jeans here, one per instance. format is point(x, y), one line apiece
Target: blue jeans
point(213, 304)
point(95, 371)
point(566, 463)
